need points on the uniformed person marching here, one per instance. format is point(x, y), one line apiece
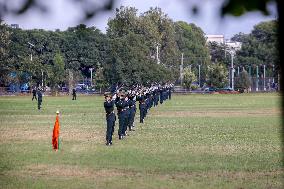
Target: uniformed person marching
point(110, 117)
point(127, 114)
point(142, 107)
point(34, 94)
point(121, 113)
point(39, 100)
point(132, 111)
point(74, 94)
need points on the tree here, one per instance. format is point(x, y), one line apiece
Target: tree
point(192, 43)
point(240, 37)
point(260, 46)
point(218, 53)
point(100, 80)
point(188, 78)
point(132, 43)
point(5, 66)
point(243, 82)
point(56, 72)
point(158, 29)
point(217, 75)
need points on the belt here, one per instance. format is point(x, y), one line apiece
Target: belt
point(110, 113)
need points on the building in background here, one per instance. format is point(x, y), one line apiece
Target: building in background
point(220, 39)
point(215, 38)
point(15, 26)
point(233, 45)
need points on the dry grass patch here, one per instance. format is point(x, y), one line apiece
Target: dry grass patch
point(219, 114)
point(69, 172)
point(66, 171)
point(230, 149)
point(42, 134)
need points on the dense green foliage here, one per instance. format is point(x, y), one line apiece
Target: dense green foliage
point(243, 81)
point(192, 141)
point(260, 47)
point(127, 53)
point(217, 75)
point(188, 78)
point(56, 74)
point(4, 52)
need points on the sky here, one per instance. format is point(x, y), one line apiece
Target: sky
point(63, 14)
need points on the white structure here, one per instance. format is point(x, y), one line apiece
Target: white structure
point(233, 45)
point(15, 26)
point(215, 38)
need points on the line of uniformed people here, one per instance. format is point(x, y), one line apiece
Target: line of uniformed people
point(125, 103)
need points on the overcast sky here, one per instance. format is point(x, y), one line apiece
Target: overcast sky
point(63, 14)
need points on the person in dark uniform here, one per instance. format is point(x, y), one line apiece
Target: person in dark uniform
point(110, 117)
point(161, 95)
point(127, 115)
point(34, 94)
point(132, 111)
point(142, 107)
point(39, 100)
point(170, 92)
point(120, 105)
point(74, 94)
point(156, 97)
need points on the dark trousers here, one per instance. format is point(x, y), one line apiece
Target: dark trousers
point(156, 100)
point(161, 99)
point(121, 123)
point(143, 110)
point(131, 118)
point(74, 97)
point(34, 97)
point(39, 104)
point(110, 126)
point(126, 123)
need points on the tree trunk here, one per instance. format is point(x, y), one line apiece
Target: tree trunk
point(71, 81)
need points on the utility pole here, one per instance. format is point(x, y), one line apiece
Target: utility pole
point(91, 69)
point(181, 70)
point(256, 78)
point(41, 78)
point(238, 71)
point(199, 75)
point(31, 46)
point(273, 73)
point(264, 87)
point(232, 69)
point(157, 54)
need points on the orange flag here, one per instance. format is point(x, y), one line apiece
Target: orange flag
point(55, 136)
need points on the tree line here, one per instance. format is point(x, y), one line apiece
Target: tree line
point(127, 53)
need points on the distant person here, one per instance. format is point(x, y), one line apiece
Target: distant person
point(74, 94)
point(39, 100)
point(34, 94)
point(110, 117)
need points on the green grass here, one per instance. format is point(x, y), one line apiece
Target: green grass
point(193, 141)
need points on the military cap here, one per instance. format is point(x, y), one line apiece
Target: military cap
point(107, 94)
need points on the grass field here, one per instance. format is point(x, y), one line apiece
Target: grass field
point(193, 141)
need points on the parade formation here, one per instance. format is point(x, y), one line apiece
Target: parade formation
point(124, 99)
point(125, 102)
